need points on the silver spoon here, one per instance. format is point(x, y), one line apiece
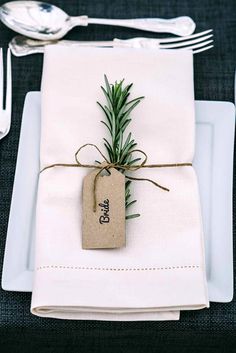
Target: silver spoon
point(44, 21)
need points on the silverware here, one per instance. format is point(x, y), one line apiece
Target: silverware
point(44, 21)
point(22, 46)
point(235, 88)
point(5, 113)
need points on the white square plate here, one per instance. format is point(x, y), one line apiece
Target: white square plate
point(214, 165)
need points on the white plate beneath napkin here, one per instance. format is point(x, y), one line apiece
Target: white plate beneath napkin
point(214, 165)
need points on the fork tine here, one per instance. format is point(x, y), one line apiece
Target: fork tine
point(1, 79)
point(202, 49)
point(180, 39)
point(196, 46)
point(186, 43)
point(9, 84)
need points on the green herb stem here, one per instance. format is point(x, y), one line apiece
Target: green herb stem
point(117, 112)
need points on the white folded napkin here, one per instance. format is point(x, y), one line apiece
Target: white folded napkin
point(161, 270)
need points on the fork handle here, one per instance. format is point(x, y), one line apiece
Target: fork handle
point(181, 26)
point(22, 46)
point(138, 42)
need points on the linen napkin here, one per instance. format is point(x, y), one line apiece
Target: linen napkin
point(161, 270)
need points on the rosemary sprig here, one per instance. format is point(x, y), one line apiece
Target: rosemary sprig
point(117, 112)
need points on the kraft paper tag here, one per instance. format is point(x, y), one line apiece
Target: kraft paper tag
point(104, 228)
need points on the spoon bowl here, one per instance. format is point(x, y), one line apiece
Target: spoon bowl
point(35, 19)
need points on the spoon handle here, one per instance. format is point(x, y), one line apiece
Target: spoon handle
point(181, 26)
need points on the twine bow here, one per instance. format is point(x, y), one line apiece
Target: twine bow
point(108, 165)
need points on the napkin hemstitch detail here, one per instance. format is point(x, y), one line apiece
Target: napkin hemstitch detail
point(117, 269)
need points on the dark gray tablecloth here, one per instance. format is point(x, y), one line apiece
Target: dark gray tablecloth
point(209, 330)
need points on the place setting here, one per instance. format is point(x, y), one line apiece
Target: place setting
point(121, 206)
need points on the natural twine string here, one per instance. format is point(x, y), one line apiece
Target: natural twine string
point(116, 165)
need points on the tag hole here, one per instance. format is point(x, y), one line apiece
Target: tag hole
point(105, 173)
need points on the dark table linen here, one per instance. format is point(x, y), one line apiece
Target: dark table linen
point(208, 330)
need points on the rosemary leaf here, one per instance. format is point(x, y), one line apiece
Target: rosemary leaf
point(135, 215)
point(128, 204)
point(103, 122)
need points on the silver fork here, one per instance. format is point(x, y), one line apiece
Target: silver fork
point(22, 46)
point(5, 113)
point(197, 42)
